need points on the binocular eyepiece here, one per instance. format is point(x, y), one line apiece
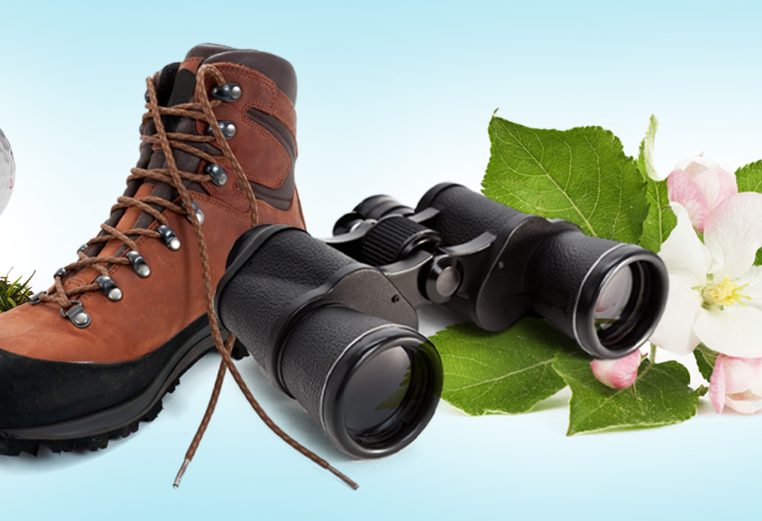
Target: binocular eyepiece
point(495, 264)
point(334, 334)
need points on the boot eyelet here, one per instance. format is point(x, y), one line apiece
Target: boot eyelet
point(227, 92)
point(60, 272)
point(109, 287)
point(36, 298)
point(228, 129)
point(218, 174)
point(77, 315)
point(200, 216)
point(138, 264)
point(171, 240)
point(83, 248)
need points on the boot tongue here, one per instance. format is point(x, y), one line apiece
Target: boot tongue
point(185, 79)
point(183, 87)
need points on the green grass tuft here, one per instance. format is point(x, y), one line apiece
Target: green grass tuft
point(14, 292)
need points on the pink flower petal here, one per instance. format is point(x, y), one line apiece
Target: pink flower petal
point(696, 164)
point(736, 384)
point(717, 185)
point(741, 373)
point(617, 374)
point(717, 385)
point(746, 403)
point(683, 189)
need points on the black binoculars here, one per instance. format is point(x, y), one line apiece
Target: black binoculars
point(335, 335)
point(495, 265)
point(334, 323)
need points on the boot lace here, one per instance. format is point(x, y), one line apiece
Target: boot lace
point(200, 110)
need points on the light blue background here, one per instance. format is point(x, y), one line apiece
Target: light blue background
point(394, 97)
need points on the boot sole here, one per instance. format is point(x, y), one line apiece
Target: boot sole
point(94, 431)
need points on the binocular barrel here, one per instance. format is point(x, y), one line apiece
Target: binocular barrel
point(465, 214)
point(607, 296)
point(335, 335)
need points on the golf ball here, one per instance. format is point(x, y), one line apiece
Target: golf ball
point(7, 171)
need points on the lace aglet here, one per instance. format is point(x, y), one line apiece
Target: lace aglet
point(181, 473)
point(343, 477)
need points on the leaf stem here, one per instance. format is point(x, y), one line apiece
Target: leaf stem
point(652, 354)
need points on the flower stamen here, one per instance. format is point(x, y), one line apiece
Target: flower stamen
point(724, 293)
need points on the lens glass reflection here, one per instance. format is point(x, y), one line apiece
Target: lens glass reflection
point(613, 299)
point(377, 390)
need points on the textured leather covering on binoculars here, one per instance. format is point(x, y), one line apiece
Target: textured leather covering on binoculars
point(557, 270)
point(465, 214)
point(286, 266)
point(313, 346)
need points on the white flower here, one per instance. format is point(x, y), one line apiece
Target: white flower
point(715, 294)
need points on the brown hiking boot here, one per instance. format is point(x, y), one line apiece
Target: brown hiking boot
point(89, 359)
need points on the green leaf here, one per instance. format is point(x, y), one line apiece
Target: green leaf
point(507, 372)
point(661, 396)
point(749, 179)
point(646, 154)
point(660, 219)
point(580, 175)
point(705, 359)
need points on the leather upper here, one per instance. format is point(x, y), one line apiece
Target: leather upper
point(155, 309)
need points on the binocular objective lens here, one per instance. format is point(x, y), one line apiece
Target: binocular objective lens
point(629, 305)
point(377, 390)
point(613, 299)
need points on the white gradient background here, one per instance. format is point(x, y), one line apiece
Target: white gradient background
point(394, 97)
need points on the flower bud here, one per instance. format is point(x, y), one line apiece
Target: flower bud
point(617, 374)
